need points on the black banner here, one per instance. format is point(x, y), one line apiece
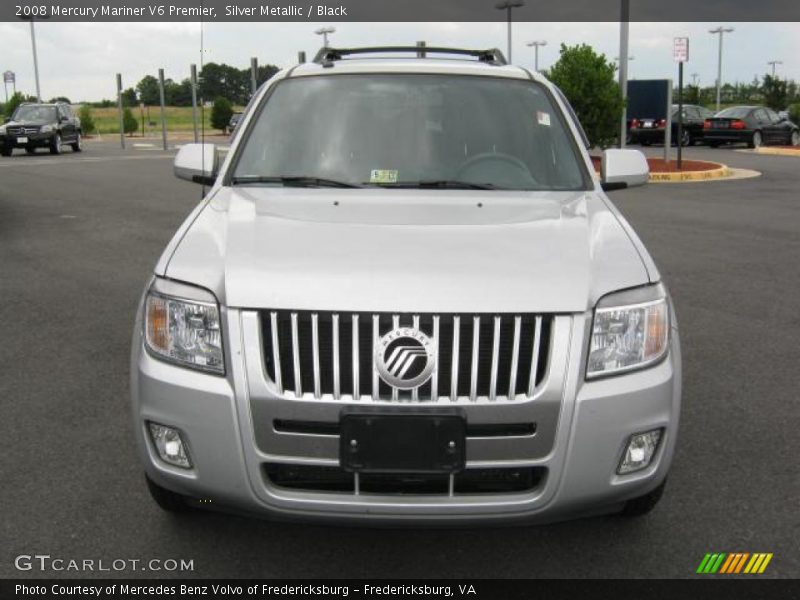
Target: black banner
point(332, 11)
point(479, 589)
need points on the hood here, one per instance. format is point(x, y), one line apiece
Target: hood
point(407, 250)
point(26, 123)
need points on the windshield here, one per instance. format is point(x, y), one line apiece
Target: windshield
point(409, 131)
point(35, 113)
point(736, 112)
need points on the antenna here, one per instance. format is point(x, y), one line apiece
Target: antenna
point(202, 105)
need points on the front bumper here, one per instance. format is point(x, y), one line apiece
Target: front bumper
point(28, 140)
point(216, 417)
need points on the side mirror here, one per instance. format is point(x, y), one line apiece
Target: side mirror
point(198, 163)
point(620, 169)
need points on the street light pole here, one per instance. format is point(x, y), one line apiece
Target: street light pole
point(624, 18)
point(721, 31)
point(536, 45)
point(773, 63)
point(507, 5)
point(324, 31)
point(694, 78)
point(35, 63)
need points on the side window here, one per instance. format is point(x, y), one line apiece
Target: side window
point(773, 116)
point(691, 113)
point(572, 116)
point(761, 116)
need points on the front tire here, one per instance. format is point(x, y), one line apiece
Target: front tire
point(166, 499)
point(77, 145)
point(638, 507)
point(686, 139)
point(55, 145)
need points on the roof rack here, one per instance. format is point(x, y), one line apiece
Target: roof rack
point(326, 56)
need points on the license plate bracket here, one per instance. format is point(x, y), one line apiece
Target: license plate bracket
point(22, 140)
point(407, 442)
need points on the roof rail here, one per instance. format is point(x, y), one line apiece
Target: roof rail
point(326, 56)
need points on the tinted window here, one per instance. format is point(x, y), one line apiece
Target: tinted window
point(407, 129)
point(761, 116)
point(735, 112)
point(35, 113)
point(773, 116)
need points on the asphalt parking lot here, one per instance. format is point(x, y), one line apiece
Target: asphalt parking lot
point(79, 235)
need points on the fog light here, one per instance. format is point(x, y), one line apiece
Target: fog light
point(169, 445)
point(640, 451)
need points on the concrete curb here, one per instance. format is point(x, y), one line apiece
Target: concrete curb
point(779, 151)
point(722, 172)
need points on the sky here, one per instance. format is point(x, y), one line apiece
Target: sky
point(80, 60)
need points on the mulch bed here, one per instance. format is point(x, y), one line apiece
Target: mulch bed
point(657, 165)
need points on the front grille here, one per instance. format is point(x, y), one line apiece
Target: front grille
point(21, 130)
point(479, 357)
point(468, 482)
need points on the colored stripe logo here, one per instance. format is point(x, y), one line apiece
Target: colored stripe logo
point(734, 563)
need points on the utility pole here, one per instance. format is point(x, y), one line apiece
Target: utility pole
point(721, 31)
point(507, 5)
point(253, 75)
point(324, 31)
point(624, 18)
point(536, 44)
point(773, 63)
point(119, 106)
point(695, 76)
point(193, 80)
point(163, 116)
point(35, 62)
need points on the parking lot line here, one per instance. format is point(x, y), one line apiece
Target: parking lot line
point(43, 162)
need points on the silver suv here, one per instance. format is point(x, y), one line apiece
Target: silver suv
point(406, 297)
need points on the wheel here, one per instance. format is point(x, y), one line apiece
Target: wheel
point(55, 146)
point(686, 139)
point(755, 141)
point(642, 505)
point(166, 499)
point(795, 139)
point(30, 150)
point(6, 151)
point(77, 145)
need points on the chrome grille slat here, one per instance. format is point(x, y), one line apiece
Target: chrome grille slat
point(298, 384)
point(329, 356)
point(535, 361)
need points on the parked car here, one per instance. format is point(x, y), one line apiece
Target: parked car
point(751, 125)
point(646, 131)
point(399, 303)
point(234, 122)
point(35, 126)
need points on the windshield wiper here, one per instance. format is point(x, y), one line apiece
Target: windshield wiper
point(450, 184)
point(293, 181)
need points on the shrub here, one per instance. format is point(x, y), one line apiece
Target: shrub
point(87, 121)
point(794, 113)
point(129, 122)
point(221, 113)
point(587, 80)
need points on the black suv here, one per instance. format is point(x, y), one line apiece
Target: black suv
point(41, 126)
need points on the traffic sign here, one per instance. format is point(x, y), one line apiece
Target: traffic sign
point(9, 77)
point(680, 49)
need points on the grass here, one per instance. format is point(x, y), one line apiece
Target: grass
point(179, 118)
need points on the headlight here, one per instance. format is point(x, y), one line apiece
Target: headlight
point(2, 129)
point(46, 129)
point(628, 335)
point(184, 331)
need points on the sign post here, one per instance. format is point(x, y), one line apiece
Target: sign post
point(680, 52)
point(9, 77)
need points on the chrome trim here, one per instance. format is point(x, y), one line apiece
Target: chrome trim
point(512, 380)
point(495, 358)
point(415, 391)
point(356, 357)
point(435, 375)
point(376, 326)
point(476, 340)
point(276, 355)
point(535, 360)
point(298, 385)
point(315, 352)
point(335, 335)
point(454, 366)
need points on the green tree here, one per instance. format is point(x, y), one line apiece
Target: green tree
point(13, 102)
point(776, 92)
point(129, 97)
point(87, 121)
point(221, 113)
point(691, 94)
point(129, 123)
point(148, 90)
point(587, 80)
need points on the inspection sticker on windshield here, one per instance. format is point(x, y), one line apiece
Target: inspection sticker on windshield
point(543, 118)
point(383, 176)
